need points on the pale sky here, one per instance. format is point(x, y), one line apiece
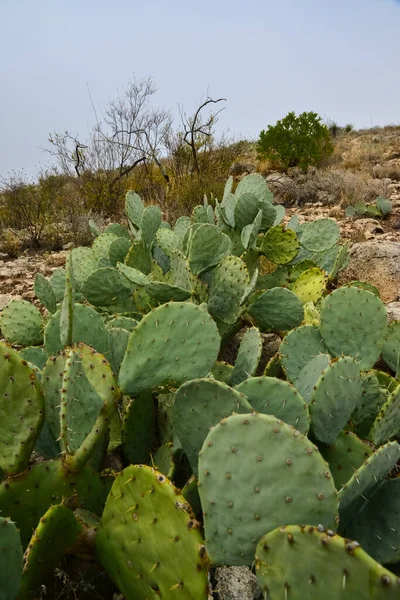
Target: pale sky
point(340, 59)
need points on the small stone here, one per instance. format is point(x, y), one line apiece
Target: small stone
point(236, 583)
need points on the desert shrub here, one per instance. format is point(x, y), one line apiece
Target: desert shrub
point(297, 141)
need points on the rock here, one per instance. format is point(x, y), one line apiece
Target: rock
point(6, 298)
point(68, 246)
point(280, 178)
point(393, 311)
point(240, 168)
point(377, 263)
point(236, 583)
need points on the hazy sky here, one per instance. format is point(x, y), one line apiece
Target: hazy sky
point(339, 58)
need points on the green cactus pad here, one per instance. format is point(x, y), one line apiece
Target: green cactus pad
point(391, 348)
point(345, 456)
point(365, 481)
point(57, 282)
point(44, 292)
point(84, 263)
point(222, 371)
point(21, 323)
point(163, 460)
point(101, 246)
point(257, 473)
point(149, 224)
point(117, 229)
point(88, 327)
point(336, 393)
point(26, 498)
point(21, 410)
point(254, 184)
point(180, 271)
point(133, 275)
point(280, 245)
point(277, 309)
point(56, 532)
point(354, 323)
point(248, 356)
point(246, 209)
point(107, 287)
point(34, 355)
point(341, 262)
point(134, 208)
point(172, 344)
point(377, 526)
point(117, 343)
point(298, 348)
point(387, 424)
point(67, 306)
point(309, 375)
point(199, 214)
point(373, 397)
point(137, 435)
point(164, 292)
point(311, 314)
point(297, 269)
point(272, 396)
point(11, 560)
point(89, 397)
point(168, 240)
point(319, 235)
point(52, 380)
point(122, 322)
point(230, 280)
point(199, 405)
point(139, 257)
point(300, 562)
point(310, 285)
point(148, 540)
point(249, 234)
point(119, 250)
point(208, 245)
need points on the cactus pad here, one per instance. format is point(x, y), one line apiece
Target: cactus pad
point(280, 245)
point(148, 540)
point(22, 323)
point(229, 283)
point(354, 323)
point(248, 356)
point(336, 393)
point(21, 410)
point(199, 405)
point(172, 344)
point(387, 423)
point(310, 285)
point(345, 456)
point(391, 348)
point(277, 309)
point(298, 348)
point(137, 434)
point(208, 245)
point(11, 560)
point(291, 563)
point(257, 473)
point(56, 532)
point(319, 235)
point(272, 396)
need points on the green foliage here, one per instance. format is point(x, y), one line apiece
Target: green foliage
point(381, 209)
point(296, 141)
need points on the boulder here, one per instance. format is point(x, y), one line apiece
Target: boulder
point(236, 583)
point(377, 263)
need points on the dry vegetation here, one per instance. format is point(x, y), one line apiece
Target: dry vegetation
point(56, 210)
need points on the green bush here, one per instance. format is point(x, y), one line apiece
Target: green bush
point(296, 141)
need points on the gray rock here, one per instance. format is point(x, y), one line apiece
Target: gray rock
point(393, 311)
point(236, 583)
point(377, 263)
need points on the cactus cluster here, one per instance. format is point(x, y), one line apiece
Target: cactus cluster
point(214, 463)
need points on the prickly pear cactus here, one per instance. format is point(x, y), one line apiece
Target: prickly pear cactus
point(199, 405)
point(21, 410)
point(257, 473)
point(291, 562)
point(11, 560)
point(174, 343)
point(56, 532)
point(149, 541)
point(22, 323)
point(354, 323)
